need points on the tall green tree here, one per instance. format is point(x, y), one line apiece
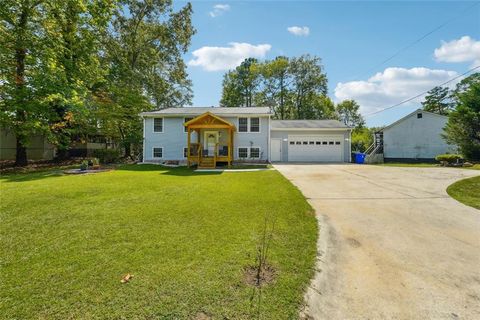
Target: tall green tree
point(308, 81)
point(465, 84)
point(438, 101)
point(144, 56)
point(49, 61)
point(293, 88)
point(463, 127)
point(241, 85)
point(20, 47)
point(276, 88)
point(349, 113)
point(74, 31)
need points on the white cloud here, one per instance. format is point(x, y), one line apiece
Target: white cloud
point(218, 10)
point(391, 86)
point(464, 49)
point(225, 58)
point(299, 31)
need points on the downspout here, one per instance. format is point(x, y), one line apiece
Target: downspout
point(350, 145)
point(269, 140)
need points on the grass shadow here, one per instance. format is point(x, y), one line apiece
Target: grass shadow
point(171, 171)
point(31, 176)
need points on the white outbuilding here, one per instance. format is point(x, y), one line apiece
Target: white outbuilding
point(415, 137)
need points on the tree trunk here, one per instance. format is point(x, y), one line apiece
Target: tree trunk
point(128, 149)
point(21, 154)
point(282, 104)
point(20, 56)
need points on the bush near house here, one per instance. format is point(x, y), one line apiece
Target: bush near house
point(448, 159)
point(362, 138)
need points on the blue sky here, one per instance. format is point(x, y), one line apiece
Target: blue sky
point(352, 38)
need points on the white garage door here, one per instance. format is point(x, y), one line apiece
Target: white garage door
point(315, 148)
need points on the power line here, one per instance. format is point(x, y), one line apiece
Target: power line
point(418, 40)
point(421, 94)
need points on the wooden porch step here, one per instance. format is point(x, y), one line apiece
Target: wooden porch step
point(206, 163)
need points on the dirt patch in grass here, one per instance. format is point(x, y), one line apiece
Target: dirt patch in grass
point(259, 278)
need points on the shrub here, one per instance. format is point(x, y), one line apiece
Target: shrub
point(107, 155)
point(84, 165)
point(448, 158)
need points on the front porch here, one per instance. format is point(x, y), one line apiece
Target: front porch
point(209, 141)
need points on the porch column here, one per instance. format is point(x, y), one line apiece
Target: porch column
point(198, 145)
point(188, 145)
point(230, 146)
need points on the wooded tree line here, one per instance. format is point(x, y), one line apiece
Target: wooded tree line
point(462, 106)
point(293, 88)
point(74, 68)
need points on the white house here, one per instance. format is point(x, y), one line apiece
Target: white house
point(415, 137)
point(212, 135)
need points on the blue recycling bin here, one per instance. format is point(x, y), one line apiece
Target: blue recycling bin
point(360, 158)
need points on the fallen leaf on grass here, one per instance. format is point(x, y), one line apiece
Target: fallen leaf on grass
point(126, 278)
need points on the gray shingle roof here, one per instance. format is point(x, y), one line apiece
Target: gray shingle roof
point(308, 124)
point(214, 110)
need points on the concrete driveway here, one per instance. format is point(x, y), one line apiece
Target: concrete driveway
point(393, 244)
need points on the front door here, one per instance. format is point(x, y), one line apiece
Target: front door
point(210, 141)
point(276, 150)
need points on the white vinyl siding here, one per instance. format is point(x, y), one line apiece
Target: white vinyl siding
point(173, 139)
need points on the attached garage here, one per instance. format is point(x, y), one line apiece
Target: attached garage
point(309, 141)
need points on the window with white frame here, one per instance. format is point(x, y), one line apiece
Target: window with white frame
point(254, 124)
point(185, 120)
point(157, 124)
point(254, 152)
point(185, 152)
point(242, 124)
point(158, 152)
point(243, 152)
point(248, 124)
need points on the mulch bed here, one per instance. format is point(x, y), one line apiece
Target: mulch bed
point(8, 166)
point(78, 171)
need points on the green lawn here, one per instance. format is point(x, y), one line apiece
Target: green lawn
point(466, 191)
point(186, 237)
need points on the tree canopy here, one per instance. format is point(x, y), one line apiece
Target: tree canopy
point(75, 67)
point(438, 101)
point(294, 88)
point(463, 127)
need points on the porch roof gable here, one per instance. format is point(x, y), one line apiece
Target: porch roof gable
point(208, 120)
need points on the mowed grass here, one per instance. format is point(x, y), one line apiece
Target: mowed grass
point(67, 240)
point(467, 191)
